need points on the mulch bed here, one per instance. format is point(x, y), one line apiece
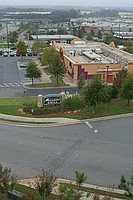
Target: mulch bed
point(20, 111)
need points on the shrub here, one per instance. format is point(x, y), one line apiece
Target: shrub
point(45, 110)
point(114, 91)
point(73, 103)
point(29, 104)
point(27, 109)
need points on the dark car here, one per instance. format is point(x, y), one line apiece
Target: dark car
point(29, 53)
point(35, 54)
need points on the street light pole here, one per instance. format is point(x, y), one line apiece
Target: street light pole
point(107, 70)
point(7, 36)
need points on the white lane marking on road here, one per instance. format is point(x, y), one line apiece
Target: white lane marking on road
point(95, 131)
point(1, 86)
point(6, 85)
point(88, 124)
point(11, 84)
point(17, 84)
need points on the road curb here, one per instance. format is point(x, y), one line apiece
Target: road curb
point(63, 87)
point(20, 120)
point(67, 181)
point(108, 117)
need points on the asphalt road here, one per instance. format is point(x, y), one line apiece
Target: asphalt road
point(56, 90)
point(103, 150)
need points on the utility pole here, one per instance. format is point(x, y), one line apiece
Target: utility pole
point(119, 33)
point(7, 36)
point(2, 43)
point(37, 29)
point(107, 67)
point(28, 37)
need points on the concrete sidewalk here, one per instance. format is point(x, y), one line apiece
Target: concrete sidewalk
point(59, 121)
point(46, 78)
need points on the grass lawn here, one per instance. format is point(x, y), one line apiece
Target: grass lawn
point(117, 106)
point(52, 84)
point(22, 188)
point(109, 193)
point(11, 105)
point(6, 45)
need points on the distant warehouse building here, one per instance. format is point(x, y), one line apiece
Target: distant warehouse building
point(90, 29)
point(93, 58)
point(56, 38)
point(124, 35)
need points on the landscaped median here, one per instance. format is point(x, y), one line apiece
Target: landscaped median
point(10, 111)
point(110, 193)
point(11, 106)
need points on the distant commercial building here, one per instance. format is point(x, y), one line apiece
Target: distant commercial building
point(93, 58)
point(126, 15)
point(107, 25)
point(28, 13)
point(56, 38)
point(124, 35)
point(90, 28)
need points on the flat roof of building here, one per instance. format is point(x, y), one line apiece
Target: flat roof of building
point(91, 55)
point(87, 53)
point(123, 54)
point(53, 37)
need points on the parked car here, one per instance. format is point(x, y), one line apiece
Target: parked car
point(12, 54)
point(23, 64)
point(29, 53)
point(13, 48)
point(35, 53)
point(5, 54)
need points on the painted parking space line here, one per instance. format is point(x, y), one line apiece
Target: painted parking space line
point(11, 84)
point(17, 84)
point(6, 85)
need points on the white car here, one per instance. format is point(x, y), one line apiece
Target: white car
point(12, 54)
point(5, 54)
